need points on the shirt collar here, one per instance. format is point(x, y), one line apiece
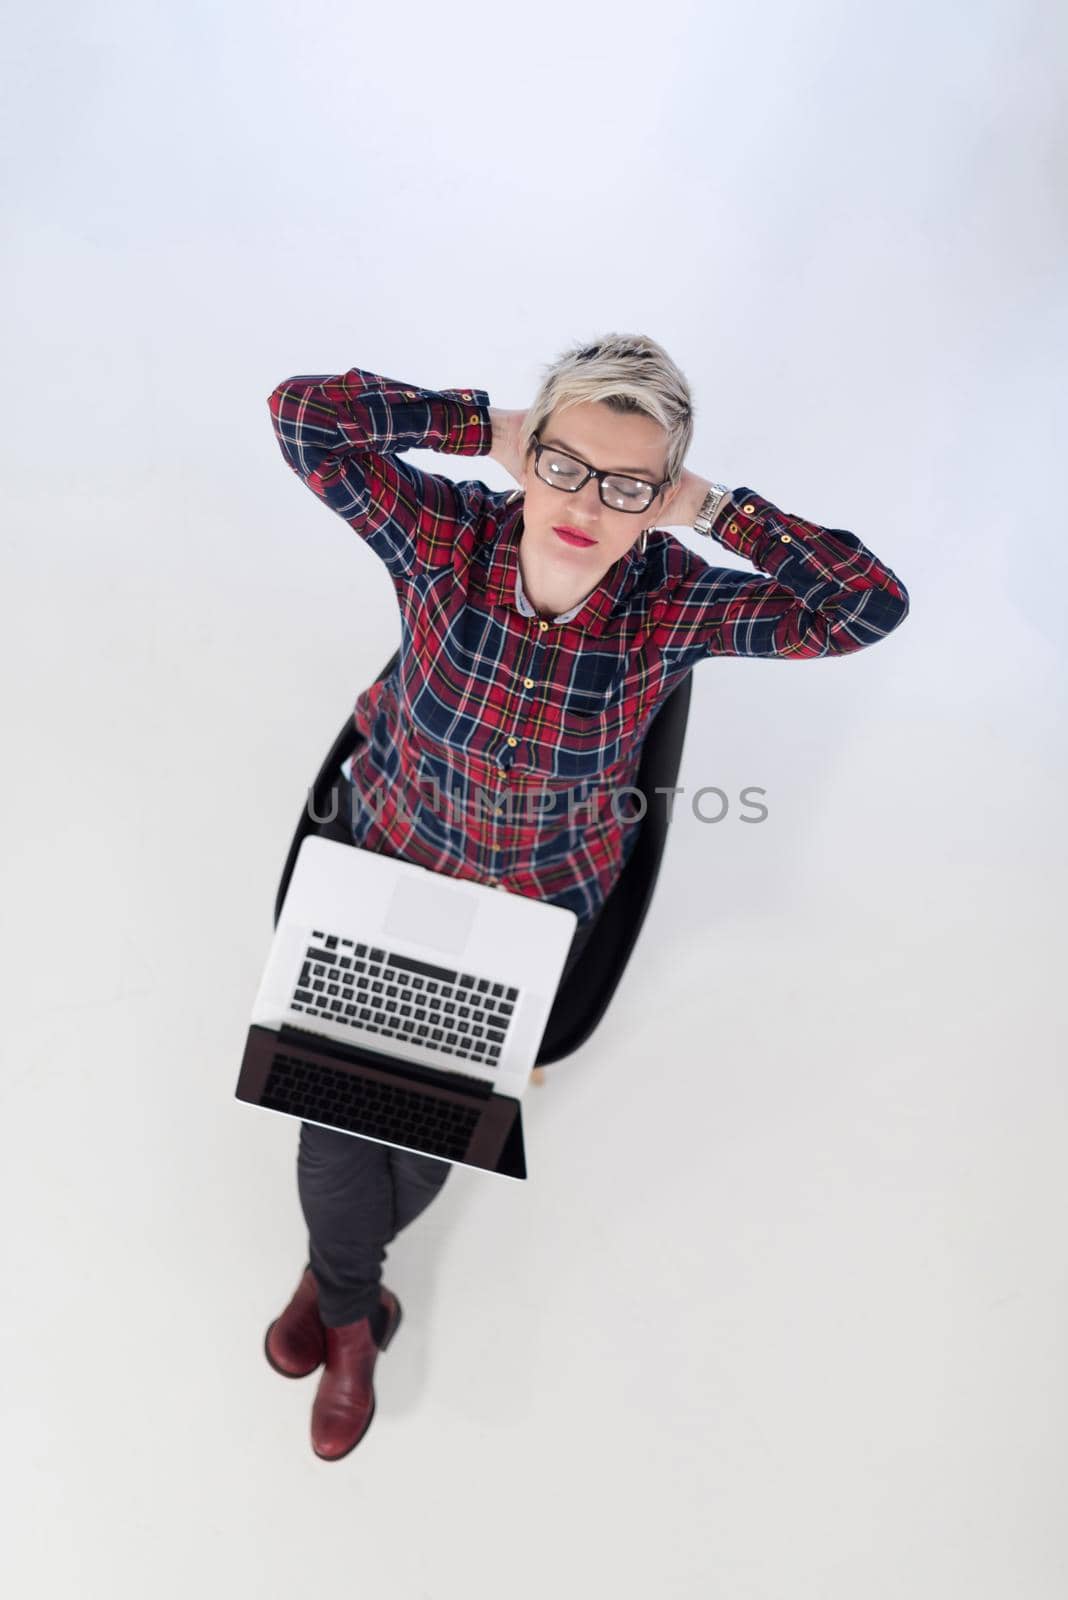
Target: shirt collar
point(504, 580)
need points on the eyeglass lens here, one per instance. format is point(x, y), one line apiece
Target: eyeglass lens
point(619, 494)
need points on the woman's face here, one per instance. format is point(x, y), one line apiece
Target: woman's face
point(630, 443)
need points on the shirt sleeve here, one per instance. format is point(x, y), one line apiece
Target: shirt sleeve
point(826, 594)
point(342, 435)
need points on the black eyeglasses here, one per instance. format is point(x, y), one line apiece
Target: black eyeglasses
point(618, 491)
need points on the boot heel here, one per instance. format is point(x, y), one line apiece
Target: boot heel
point(391, 1329)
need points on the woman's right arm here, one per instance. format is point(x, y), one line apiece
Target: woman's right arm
point(342, 435)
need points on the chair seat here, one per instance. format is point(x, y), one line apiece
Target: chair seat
point(584, 996)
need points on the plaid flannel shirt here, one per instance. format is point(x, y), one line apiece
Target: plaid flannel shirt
point(504, 747)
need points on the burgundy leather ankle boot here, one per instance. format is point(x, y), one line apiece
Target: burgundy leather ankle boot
point(295, 1344)
point(345, 1401)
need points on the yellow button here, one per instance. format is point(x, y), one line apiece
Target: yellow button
point(472, 419)
point(408, 395)
point(498, 810)
point(785, 537)
point(734, 527)
point(492, 882)
point(543, 626)
point(511, 740)
point(528, 683)
point(749, 508)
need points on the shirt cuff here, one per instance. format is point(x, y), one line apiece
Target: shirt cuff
point(467, 428)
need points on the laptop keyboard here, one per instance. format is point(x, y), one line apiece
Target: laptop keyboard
point(361, 1105)
point(403, 998)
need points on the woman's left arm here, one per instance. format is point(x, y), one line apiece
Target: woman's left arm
point(826, 593)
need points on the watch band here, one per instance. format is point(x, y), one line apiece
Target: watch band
point(710, 507)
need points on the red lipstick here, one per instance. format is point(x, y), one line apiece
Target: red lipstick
point(572, 536)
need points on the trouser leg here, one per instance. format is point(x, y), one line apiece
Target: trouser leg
point(416, 1180)
point(356, 1195)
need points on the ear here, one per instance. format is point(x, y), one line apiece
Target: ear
point(670, 496)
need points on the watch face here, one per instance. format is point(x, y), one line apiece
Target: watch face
point(707, 514)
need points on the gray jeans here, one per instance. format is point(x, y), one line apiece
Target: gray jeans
point(357, 1195)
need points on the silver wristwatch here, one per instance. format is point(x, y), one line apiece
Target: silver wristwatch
point(709, 508)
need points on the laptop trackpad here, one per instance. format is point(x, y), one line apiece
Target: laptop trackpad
point(430, 913)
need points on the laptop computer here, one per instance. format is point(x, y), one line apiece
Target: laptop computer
point(404, 1006)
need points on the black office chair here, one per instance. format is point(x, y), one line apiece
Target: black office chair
point(583, 997)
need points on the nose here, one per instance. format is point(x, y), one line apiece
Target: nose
point(588, 500)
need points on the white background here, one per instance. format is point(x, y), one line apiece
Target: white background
point(782, 1308)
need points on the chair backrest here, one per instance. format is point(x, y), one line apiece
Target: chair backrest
point(583, 997)
point(586, 992)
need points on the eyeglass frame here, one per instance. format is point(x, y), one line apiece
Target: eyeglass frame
point(600, 474)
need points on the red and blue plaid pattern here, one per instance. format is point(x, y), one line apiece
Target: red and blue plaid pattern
point(501, 747)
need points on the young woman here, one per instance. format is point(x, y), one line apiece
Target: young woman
point(540, 631)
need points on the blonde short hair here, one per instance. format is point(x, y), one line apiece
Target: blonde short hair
point(627, 372)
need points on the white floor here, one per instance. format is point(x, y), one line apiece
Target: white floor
point(779, 1310)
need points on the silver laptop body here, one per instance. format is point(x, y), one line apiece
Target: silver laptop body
point(405, 1006)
